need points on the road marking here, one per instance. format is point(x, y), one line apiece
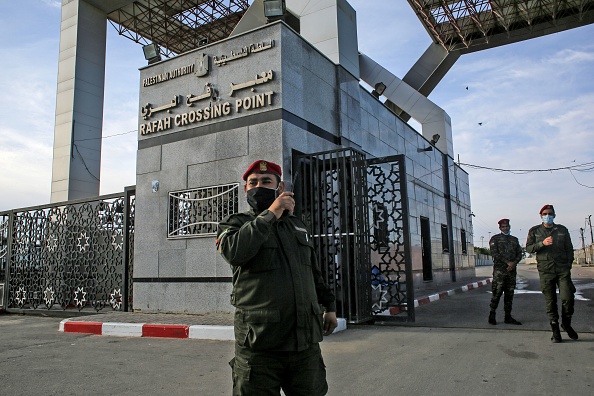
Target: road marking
point(522, 284)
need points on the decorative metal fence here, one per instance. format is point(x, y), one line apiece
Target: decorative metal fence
point(70, 255)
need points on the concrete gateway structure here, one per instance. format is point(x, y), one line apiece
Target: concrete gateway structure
point(270, 94)
point(388, 208)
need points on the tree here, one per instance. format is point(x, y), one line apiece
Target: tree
point(480, 250)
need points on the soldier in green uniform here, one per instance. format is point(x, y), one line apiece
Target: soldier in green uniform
point(507, 253)
point(282, 306)
point(554, 256)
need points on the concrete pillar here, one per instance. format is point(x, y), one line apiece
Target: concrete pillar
point(331, 26)
point(79, 102)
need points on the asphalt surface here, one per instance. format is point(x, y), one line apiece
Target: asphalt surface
point(450, 349)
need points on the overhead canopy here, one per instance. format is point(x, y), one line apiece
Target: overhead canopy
point(177, 26)
point(471, 25)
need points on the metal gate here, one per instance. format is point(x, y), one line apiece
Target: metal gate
point(70, 255)
point(357, 212)
point(391, 265)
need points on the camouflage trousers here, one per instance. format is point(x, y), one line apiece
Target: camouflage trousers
point(548, 284)
point(504, 282)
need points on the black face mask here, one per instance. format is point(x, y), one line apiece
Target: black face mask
point(260, 198)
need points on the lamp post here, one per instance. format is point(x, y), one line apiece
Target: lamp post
point(482, 237)
point(583, 246)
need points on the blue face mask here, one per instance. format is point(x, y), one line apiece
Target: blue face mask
point(548, 219)
point(506, 233)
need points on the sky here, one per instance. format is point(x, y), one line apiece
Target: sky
point(529, 106)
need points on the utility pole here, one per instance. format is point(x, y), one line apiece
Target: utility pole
point(591, 239)
point(583, 245)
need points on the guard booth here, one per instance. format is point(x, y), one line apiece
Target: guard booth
point(356, 209)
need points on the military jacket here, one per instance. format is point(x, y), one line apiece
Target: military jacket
point(504, 248)
point(559, 255)
point(278, 287)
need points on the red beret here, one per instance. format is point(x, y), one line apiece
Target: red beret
point(503, 221)
point(262, 166)
point(547, 206)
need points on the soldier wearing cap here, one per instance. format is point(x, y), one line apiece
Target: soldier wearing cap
point(282, 306)
point(552, 245)
point(507, 253)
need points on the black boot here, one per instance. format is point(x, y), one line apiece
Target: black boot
point(492, 318)
point(566, 325)
point(556, 333)
point(509, 320)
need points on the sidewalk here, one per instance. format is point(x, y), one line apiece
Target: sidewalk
point(219, 326)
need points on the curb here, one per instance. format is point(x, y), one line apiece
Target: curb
point(213, 332)
point(199, 332)
point(441, 295)
point(435, 297)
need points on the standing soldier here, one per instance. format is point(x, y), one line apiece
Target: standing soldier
point(278, 292)
point(507, 253)
point(554, 256)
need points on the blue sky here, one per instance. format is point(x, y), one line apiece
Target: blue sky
point(535, 101)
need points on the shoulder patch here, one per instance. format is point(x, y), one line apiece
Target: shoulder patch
point(220, 239)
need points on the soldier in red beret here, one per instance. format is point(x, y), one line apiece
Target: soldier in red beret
point(261, 167)
point(552, 245)
point(507, 253)
point(282, 305)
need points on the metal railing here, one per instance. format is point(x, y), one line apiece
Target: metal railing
point(482, 260)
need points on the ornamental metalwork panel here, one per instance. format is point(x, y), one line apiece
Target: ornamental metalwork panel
point(330, 197)
point(197, 212)
point(3, 256)
point(73, 255)
point(389, 239)
point(3, 248)
point(130, 215)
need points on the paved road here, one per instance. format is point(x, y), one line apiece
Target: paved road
point(471, 309)
point(451, 349)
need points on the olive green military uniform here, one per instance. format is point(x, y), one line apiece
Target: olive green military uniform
point(554, 268)
point(278, 291)
point(504, 249)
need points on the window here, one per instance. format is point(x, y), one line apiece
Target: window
point(463, 241)
point(445, 245)
point(197, 212)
